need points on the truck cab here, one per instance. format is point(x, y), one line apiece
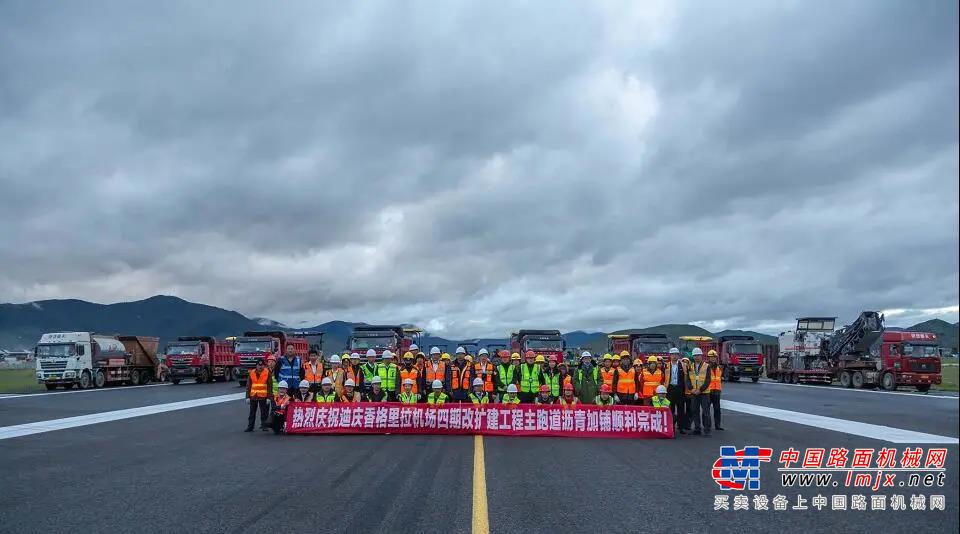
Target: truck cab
point(640, 346)
point(542, 342)
point(910, 359)
point(395, 338)
point(740, 356)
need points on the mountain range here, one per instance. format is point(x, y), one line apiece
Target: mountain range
point(168, 317)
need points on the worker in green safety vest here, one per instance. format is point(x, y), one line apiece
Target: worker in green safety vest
point(660, 400)
point(437, 396)
point(586, 379)
point(388, 375)
point(552, 376)
point(478, 395)
point(407, 396)
point(531, 377)
point(506, 373)
point(327, 394)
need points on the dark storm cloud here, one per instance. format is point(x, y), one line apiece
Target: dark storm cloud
point(473, 169)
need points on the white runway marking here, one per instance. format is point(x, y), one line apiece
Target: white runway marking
point(856, 428)
point(829, 388)
point(27, 429)
point(69, 391)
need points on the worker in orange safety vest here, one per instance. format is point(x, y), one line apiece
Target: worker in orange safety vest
point(259, 392)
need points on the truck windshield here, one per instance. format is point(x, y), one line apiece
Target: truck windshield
point(373, 342)
point(651, 347)
point(246, 347)
point(920, 351)
point(56, 351)
point(543, 344)
point(173, 350)
point(745, 348)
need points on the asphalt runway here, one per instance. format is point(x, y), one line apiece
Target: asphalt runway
point(194, 469)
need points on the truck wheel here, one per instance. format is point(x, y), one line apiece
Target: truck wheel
point(845, 379)
point(145, 377)
point(858, 380)
point(84, 380)
point(204, 376)
point(923, 388)
point(51, 387)
point(99, 379)
point(175, 381)
point(135, 377)
point(781, 378)
point(755, 379)
point(888, 382)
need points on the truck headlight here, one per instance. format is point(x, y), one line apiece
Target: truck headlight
point(40, 375)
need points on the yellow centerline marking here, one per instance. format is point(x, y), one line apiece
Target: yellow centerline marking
point(481, 521)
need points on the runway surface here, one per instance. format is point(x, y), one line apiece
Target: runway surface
point(192, 468)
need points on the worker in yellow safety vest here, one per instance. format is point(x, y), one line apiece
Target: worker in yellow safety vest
point(479, 395)
point(605, 398)
point(531, 376)
point(716, 381)
point(407, 394)
point(699, 382)
point(568, 399)
point(659, 399)
point(511, 397)
point(326, 395)
point(437, 396)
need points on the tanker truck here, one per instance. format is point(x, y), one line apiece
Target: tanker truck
point(87, 359)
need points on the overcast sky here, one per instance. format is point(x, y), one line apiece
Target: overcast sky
point(472, 167)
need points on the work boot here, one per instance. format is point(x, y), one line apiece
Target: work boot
point(265, 429)
point(249, 429)
point(718, 428)
point(697, 432)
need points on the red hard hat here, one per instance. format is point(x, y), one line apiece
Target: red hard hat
point(529, 354)
point(552, 358)
point(606, 388)
point(544, 389)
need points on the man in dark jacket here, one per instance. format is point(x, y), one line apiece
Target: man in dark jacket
point(586, 379)
point(675, 376)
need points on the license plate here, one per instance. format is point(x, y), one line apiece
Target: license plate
point(748, 368)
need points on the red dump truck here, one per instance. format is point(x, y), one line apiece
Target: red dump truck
point(202, 358)
point(258, 345)
point(544, 343)
point(740, 355)
point(640, 346)
point(395, 338)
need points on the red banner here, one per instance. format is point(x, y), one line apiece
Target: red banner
point(586, 421)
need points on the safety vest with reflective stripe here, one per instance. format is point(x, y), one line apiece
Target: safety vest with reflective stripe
point(515, 400)
point(326, 398)
point(313, 372)
point(657, 403)
point(715, 379)
point(485, 399)
point(409, 398)
point(651, 381)
point(599, 401)
point(698, 377)
point(388, 376)
point(258, 383)
point(368, 374)
point(439, 374)
point(626, 381)
point(506, 376)
point(484, 372)
point(289, 370)
point(593, 371)
point(530, 378)
point(553, 380)
point(462, 376)
point(434, 398)
point(565, 404)
point(354, 397)
point(413, 374)
point(607, 375)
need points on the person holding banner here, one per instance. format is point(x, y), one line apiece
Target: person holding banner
point(568, 400)
point(437, 396)
point(376, 393)
point(407, 394)
point(659, 399)
point(510, 397)
point(605, 398)
point(479, 395)
point(303, 392)
point(326, 395)
point(349, 393)
point(544, 397)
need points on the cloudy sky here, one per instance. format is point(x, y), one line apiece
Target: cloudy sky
point(472, 167)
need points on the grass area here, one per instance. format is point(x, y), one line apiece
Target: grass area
point(18, 381)
point(949, 372)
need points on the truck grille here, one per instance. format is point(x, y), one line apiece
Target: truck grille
point(180, 361)
point(923, 367)
point(750, 359)
point(52, 366)
point(249, 361)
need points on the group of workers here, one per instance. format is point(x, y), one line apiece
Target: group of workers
point(690, 386)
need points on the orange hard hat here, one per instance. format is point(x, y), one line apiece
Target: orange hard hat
point(529, 354)
point(606, 388)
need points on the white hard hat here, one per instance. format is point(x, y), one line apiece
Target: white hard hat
point(414, 347)
point(350, 383)
point(512, 388)
point(674, 350)
point(407, 381)
point(326, 382)
point(375, 380)
point(434, 350)
point(461, 350)
point(354, 356)
point(697, 352)
point(387, 355)
point(335, 358)
point(437, 384)
point(304, 383)
point(661, 389)
point(282, 384)
point(481, 352)
point(371, 352)
point(586, 354)
point(477, 381)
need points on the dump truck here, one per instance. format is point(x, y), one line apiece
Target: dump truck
point(704, 343)
point(860, 355)
point(88, 359)
point(395, 338)
point(202, 358)
point(740, 355)
point(639, 345)
point(541, 342)
point(262, 345)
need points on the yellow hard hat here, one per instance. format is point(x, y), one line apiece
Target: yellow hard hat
point(468, 358)
point(638, 361)
point(515, 356)
point(408, 355)
point(608, 356)
point(652, 359)
point(624, 353)
point(444, 356)
point(540, 359)
point(711, 352)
